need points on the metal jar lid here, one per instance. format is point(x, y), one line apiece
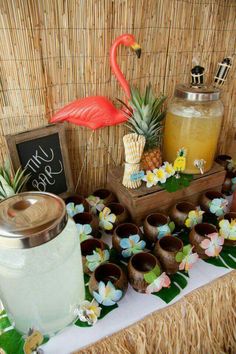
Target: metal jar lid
point(30, 219)
point(192, 93)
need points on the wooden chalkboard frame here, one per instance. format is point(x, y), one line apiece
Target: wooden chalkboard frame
point(14, 140)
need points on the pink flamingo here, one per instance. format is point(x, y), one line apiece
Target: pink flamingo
point(97, 111)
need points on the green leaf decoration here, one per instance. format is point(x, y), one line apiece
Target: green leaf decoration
point(106, 310)
point(187, 249)
point(226, 259)
point(88, 296)
point(171, 226)
point(79, 323)
point(178, 281)
point(210, 219)
point(184, 236)
point(12, 342)
point(152, 275)
point(179, 256)
point(157, 270)
point(86, 278)
point(173, 184)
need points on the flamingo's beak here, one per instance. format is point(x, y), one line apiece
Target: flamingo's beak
point(136, 47)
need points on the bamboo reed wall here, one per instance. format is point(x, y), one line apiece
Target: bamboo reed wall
point(54, 51)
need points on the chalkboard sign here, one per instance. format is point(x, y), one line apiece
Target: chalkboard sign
point(44, 154)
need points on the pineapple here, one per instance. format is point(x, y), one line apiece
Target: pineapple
point(145, 118)
point(10, 185)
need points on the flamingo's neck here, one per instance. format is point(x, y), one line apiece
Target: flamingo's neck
point(115, 68)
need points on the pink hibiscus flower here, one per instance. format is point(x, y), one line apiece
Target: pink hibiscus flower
point(212, 244)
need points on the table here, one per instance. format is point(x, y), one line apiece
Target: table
point(200, 320)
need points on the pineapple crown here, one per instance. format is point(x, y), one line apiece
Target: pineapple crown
point(145, 115)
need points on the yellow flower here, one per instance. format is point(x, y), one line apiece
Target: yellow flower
point(194, 218)
point(150, 178)
point(228, 229)
point(160, 174)
point(169, 169)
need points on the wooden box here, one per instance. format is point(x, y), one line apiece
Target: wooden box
point(143, 201)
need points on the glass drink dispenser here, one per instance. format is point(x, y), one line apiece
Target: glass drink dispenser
point(41, 275)
point(193, 122)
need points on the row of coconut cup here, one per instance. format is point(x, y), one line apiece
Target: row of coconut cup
point(178, 214)
point(87, 217)
point(139, 264)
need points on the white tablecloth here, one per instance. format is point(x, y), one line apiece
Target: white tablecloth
point(133, 307)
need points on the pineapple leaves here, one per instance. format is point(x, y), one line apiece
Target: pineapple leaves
point(20, 180)
point(146, 115)
point(126, 106)
point(10, 185)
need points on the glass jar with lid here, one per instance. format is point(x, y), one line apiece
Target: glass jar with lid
point(41, 275)
point(193, 123)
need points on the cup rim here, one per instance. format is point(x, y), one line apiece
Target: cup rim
point(126, 224)
point(147, 254)
point(223, 157)
point(116, 205)
point(185, 207)
point(72, 199)
point(90, 241)
point(85, 214)
point(228, 217)
point(175, 239)
point(110, 265)
point(102, 191)
point(206, 225)
point(213, 195)
point(153, 215)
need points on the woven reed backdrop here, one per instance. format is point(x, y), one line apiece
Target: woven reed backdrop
point(54, 51)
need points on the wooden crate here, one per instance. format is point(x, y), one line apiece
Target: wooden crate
point(143, 201)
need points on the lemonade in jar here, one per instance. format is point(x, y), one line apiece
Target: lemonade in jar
point(193, 123)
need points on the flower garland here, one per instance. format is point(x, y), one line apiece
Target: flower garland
point(167, 177)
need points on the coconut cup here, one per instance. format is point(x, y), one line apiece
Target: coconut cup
point(150, 226)
point(120, 212)
point(108, 272)
point(207, 197)
point(230, 216)
point(233, 204)
point(87, 248)
point(105, 195)
point(77, 199)
point(179, 212)
point(223, 160)
point(165, 250)
point(228, 184)
point(198, 234)
point(124, 231)
point(140, 264)
point(88, 218)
